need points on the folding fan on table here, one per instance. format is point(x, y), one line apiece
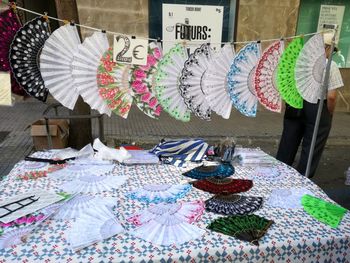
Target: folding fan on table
point(217, 185)
point(241, 79)
point(215, 82)
point(323, 211)
point(143, 83)
point(191, 81)
point(9, 25)
point(249, 228)
point(222, 170)
point(24, 53)
point(113, 83)
point(309, 69)
point(167, 83)
point(265, 77)
point(286, 74)
point(85, 64)
point(56, 64)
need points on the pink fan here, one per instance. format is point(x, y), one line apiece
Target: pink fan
point(9, 25)
point(265, 77)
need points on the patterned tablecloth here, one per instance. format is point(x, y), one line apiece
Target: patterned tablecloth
point(295, 236)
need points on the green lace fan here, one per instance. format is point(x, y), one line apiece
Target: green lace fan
point(285, 74)
point(323, 211)
point(249, 228)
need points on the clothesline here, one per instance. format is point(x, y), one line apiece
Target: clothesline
point(13, 5)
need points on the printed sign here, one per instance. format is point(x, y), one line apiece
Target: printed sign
point(130, 50)
point(5, 89)
point(195, 24)
point(331, 14)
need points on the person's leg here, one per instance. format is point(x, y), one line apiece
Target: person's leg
point(310, 113)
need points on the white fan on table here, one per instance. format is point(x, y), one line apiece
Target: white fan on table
point(56, 64)
point(85, 64)
point(241, 77)
point(215, 82)
point(310, 68)
point(191, 81)
point(167, 83)
point(265, 77)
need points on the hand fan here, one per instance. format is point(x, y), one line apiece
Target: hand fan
point(143, 83)
point(216, 185)
point(56, 64)
point(167, 230)
point(94, 184)
point(158, 193)
point(33, 170)
point(222, 170)
point(167, 83)
point(240, 79)
point(287, 198)
point(14, 237)
point(85, 64)
point(191, 81)
point(215, 82)
point(323, 211)
point(309, 69)
point(9, 25)
point(24, 56)
point(186, 211)
point(286, 74)
point(92, 227)
point(265, 77)
point(113, 83)
point(232, 204)
point(249, 228)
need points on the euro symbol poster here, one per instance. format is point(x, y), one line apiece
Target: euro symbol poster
point(195, 24)
point(129, 50)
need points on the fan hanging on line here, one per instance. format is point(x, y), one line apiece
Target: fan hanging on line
point(265, 77)
point(85, 64)
point(241, 79)
point(167, 83)
point(191, 81)
point(143, 83)
point(24, 56)
point(113, 83)
point(286, 74)
point(215, 82)
point(9, 25)
point(310, 68)
point(56, 64)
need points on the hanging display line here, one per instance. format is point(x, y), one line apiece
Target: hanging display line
point(14, 6)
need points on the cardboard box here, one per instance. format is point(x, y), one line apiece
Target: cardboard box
point(59, 131)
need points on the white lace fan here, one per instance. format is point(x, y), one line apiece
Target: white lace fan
point(309, 69)
point(265, 77)
point(92, 227)
point(167, 83)
point(85, 65)
point(215, 82)
point(56, 64)
point(191, 81)
point(240, 79)
point(14, 237)
point(94, 184)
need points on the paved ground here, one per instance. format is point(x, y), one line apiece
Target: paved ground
point(262, 131)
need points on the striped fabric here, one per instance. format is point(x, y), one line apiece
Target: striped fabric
point(178, 152)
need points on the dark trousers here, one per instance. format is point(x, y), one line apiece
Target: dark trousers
point(299, 128)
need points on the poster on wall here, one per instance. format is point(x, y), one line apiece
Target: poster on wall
point(195, 24)
point(331, 14)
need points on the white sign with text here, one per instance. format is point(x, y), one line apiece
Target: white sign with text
point(331, 14)
point(129, 50)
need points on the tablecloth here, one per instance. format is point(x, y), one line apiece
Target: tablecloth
point(294, 237)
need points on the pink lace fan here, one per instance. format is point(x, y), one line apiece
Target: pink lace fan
point(265, 77)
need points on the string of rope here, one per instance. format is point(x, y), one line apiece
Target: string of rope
point(162, 40)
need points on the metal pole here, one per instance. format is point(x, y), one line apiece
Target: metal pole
point(320, 106)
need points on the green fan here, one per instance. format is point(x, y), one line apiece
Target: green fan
point(248, 228)
point(323, 211)
point(285, 74)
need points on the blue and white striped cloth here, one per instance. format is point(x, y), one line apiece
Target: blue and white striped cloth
point(178, 152)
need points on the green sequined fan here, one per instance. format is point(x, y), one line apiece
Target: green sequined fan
point(323, 211)
point(285, 74)
point(248, 228)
